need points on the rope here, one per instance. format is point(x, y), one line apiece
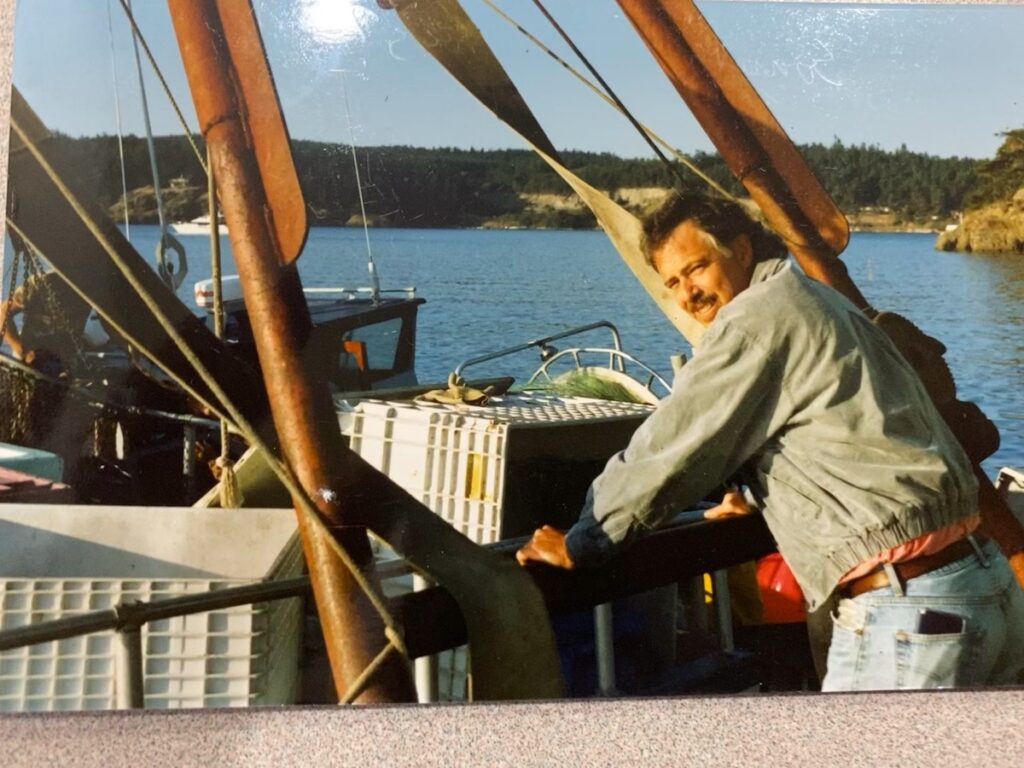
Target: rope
point(677, 153)
point(12, 285)
point(137, 34)
point(622, 107)
point(276, 463)
point(230, 492)
point(172, 276)
point(394, 644)
point(117, 115)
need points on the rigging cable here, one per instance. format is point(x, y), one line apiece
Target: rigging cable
point(622, 107)
point(226, 409)
point(230, 492)
point(676, 152)
point(137, 34)
point(117, 114)
point(171, 275)
point(374, 279)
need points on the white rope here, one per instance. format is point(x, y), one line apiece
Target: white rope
point(149, 134)
point(117, 114)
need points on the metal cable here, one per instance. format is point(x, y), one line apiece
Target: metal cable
point(230, 495)
point(374, 279)
point(163, 82)
point(276, 463)
point(679, 155)
point(149, 135)
point(618, 102)
point(117, 115)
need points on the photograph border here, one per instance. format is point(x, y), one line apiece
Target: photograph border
point(908, 729)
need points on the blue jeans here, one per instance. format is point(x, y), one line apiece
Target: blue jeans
point(876, 646)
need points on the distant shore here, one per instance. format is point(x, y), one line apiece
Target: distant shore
point(541, 211)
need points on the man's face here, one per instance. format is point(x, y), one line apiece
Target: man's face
point(702, 278)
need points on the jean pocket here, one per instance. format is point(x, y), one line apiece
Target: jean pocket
point(846, 650)
point(936, 661)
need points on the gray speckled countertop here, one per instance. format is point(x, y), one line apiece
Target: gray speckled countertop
point(901, 729)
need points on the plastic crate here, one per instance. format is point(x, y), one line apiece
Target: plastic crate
point(495, 471)
point(61, 561)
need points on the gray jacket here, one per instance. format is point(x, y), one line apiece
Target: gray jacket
point(827, 424)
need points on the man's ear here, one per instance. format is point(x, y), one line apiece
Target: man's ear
point(742, 250)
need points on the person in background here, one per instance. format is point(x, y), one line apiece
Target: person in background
point(869, 496)
point(53, 319)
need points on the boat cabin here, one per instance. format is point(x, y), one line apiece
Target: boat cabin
point(360, 340)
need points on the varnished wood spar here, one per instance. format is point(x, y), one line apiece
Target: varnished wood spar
point(747, 135)
point(301, 406)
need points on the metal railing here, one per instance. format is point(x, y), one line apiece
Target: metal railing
point(432, 618)
point(128, 618)
point(543, 344)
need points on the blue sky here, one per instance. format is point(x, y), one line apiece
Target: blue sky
point(940, 79)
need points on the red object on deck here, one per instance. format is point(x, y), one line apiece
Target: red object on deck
point(782, 600)
point(19, 488)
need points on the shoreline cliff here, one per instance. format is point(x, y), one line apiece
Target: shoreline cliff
point(994, 228)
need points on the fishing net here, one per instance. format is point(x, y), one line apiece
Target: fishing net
point(45, 413)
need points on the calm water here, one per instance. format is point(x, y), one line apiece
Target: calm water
point(491, 289)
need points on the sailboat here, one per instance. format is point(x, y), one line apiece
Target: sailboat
point(812, 225)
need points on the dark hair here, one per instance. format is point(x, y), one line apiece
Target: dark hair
point(721, 218)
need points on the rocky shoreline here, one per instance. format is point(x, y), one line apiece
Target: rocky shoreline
point(994, 228)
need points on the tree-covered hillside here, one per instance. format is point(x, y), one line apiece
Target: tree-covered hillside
point(408, 186)
point(1000, 177)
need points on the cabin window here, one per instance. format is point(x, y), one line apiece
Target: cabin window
point(371, 347)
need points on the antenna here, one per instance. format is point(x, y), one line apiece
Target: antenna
point(370, 266)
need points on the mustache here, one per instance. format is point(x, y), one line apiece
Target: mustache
point(697, 302)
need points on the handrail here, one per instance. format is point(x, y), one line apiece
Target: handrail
point(134, 614)
point(432, 618)
point(660, 557)
point(542, 344)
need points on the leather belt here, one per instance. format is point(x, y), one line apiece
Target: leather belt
point(908, 570)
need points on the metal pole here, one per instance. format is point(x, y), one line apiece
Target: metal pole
point(129, 684)
point(425, 666)
point(604, 648)
point(221, 68)
point(723, 609)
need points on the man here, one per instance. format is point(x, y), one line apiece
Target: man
point(860, 481)
point(53, 321)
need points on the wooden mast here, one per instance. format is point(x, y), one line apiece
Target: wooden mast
point(263, 206)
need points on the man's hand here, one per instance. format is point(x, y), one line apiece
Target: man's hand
point(546, 546)
point(733, 504)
